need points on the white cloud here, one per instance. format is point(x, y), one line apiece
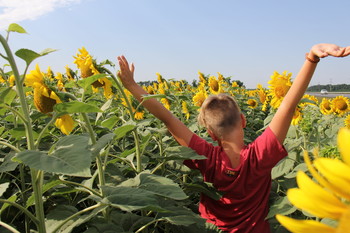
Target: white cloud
point(14, 11)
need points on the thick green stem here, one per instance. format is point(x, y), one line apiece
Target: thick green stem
point(20, 93)
point(37, 176)
point(138, 151)
point(99, 164)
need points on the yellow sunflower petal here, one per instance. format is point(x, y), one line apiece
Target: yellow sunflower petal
point(344, 225)
point(316, 205)
point(35, 76)
point(343, 144)
point(65, 123)
point(304, 226)
point(315, 199)
point(54, 96)
point(336, 173)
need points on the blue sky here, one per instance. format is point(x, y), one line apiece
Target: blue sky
point(247, 40)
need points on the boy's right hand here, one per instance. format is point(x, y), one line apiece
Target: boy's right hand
point(126, 72)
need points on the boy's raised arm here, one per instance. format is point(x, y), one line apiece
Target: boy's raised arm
point(283, 117)
point(178, 129)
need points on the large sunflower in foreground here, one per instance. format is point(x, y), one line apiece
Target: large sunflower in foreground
point(45, 99)
point(328, 198)
point(85, 63)
point(279, 86)
point(341, 105)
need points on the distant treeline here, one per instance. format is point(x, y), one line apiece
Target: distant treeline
point(330, 88)
point(194, 82)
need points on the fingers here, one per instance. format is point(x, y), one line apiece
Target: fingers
point(324, 50)
point(132, 67)
point(346, 51)
point(124, 64)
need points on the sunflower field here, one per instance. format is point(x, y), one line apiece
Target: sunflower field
point(79, 154)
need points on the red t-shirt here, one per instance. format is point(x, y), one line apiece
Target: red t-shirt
point(244, 205)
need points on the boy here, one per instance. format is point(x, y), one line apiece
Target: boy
point(242, 172)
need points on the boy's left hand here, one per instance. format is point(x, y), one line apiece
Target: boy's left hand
point(324, 50)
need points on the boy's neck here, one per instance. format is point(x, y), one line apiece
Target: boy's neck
point(232, 144)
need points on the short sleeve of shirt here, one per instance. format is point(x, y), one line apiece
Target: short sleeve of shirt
point(202, 147)
point(268, 151)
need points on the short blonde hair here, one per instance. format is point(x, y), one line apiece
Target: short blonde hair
point(219, 113)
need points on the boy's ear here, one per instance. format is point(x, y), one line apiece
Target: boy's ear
point(244, 120)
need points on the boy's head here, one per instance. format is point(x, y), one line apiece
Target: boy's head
point(219, 113)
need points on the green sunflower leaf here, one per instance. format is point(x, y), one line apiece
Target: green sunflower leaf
point(123, 130)
point(147, 97)
point(86, 82)
point(14, 27)
point(75, 107)
point(7, 95)
point(29, 55)
point(71, 156)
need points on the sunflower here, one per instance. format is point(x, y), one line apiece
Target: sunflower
point(325, 106)
point(60, 81)
point(214, 85)
point(12, 80)
point(165, 102)
point(202, 78)
point(150, 90)
point(329, 197)
point(199, 98)
point(297, 116)
point(45, 99)
point(279, 86)
point(86, 64)
point(70, 74)
point(234, 84)
point(340, 105)
point(2, 80)
point(49, 73)
point(252, 103)
point(309, 100)
point(128, 97)
point(162, 88)
point(185, 110)
point(159, 78)
point(65, 123)
point(220, 77)
point(347, 121)
point(178, 86)
point(139, 115)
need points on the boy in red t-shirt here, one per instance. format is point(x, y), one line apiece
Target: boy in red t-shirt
point(242, 172)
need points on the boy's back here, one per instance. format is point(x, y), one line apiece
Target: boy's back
point(246, 188)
